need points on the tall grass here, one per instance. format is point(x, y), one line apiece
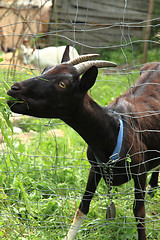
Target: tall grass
point(43, 177)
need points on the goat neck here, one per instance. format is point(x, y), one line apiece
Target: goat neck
point(97, 125)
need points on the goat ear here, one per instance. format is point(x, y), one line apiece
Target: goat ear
point(46, 69)
point(65, 57)
point(88, 79)
point(24, 49)
point(33, 49)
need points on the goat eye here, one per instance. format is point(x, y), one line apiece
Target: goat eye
point(62, 85)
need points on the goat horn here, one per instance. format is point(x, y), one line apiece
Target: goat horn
point(83, 67)
point(82, 58)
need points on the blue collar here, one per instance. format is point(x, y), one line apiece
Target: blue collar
point(117, 150)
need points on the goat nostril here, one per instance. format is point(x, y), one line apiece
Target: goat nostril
point(15, 87)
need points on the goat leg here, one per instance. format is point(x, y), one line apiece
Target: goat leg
point(153, 182)
point(139, 208)
point(93, 180)
point(77, 222)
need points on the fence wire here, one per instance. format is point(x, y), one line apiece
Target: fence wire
point(44, 167)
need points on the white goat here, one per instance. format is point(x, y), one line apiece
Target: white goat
point(48, 56)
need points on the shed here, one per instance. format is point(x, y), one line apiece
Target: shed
point(97, 24)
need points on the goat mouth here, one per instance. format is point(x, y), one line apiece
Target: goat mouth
point(16, 104)
point(13, 100)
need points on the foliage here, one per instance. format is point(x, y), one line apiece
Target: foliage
point(43, 178)
point(131, 53)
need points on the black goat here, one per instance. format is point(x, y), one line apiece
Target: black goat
point(133, 119)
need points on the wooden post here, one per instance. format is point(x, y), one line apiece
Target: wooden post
point(148, 30)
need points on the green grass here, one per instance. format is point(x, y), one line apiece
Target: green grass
point(42, 180)
point(131, 53)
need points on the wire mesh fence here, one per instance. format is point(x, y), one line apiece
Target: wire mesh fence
point(44, 166)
